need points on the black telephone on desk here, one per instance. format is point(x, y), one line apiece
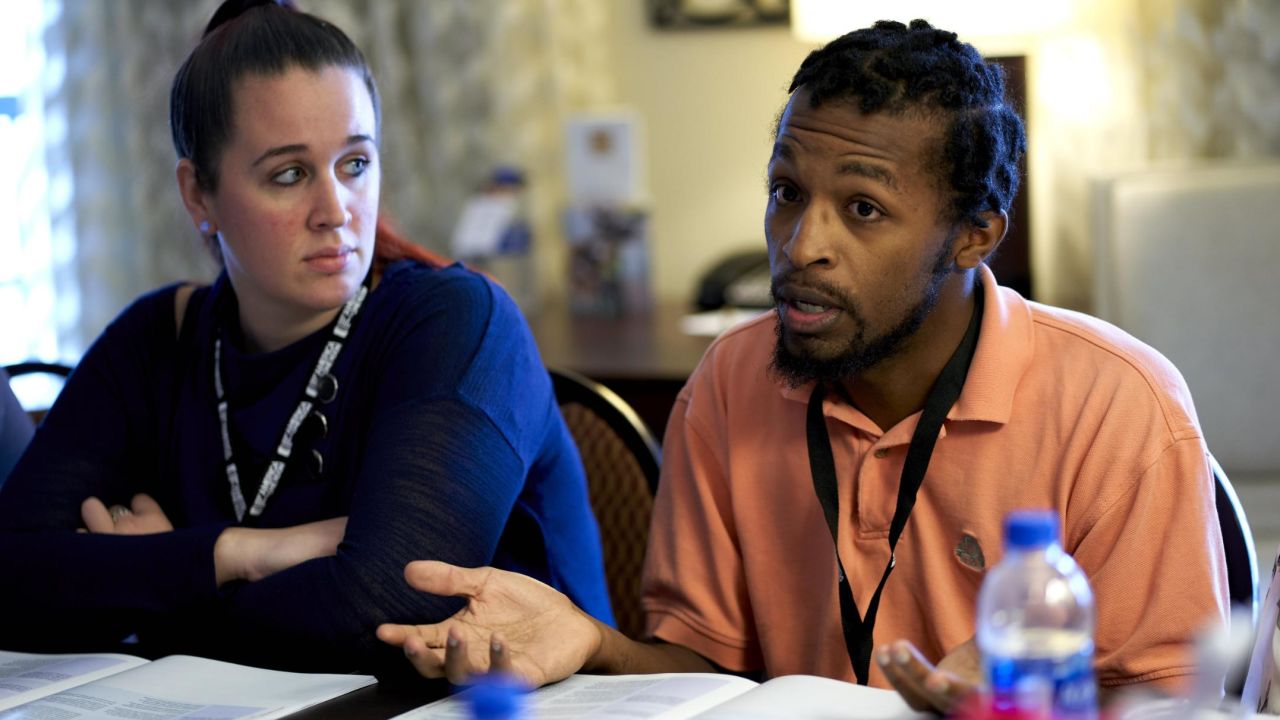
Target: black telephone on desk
point(741, 280)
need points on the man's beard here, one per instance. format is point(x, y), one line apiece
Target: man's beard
point(861, 353)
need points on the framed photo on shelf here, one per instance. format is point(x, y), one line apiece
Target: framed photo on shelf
point(675, 14)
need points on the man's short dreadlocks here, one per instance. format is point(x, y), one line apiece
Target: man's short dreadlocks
point(896, 68)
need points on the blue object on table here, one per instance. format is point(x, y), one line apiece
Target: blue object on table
point(496, 697)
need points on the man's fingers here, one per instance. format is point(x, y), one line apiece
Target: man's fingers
point(948, 689)
point(96, 516)
point(393, 634)
point(439, 578)
point(427, 661)
point(457, 666)
point(431, 636)
point(908, 672)
point(922, 685)
point(499, 656)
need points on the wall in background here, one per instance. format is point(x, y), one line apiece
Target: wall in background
point(709, 98)
point(1126, 83)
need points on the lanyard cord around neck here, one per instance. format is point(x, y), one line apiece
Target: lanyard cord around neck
point(321, 381)
point(946, 390)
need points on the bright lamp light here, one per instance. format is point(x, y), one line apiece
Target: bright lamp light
point(993, 26)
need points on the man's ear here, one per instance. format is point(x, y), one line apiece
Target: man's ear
point(975, 243)
point(195, 198)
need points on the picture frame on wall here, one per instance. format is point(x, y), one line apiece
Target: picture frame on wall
point(677, 14)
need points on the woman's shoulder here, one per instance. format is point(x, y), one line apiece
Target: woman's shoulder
point(142, 340)
point(453, 297)
point(156, 313)
point(458, 327)
point(412, 278)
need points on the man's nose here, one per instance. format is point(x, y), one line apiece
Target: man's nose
point(810, 239)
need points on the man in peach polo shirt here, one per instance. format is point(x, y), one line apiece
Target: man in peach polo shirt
point(892, 351)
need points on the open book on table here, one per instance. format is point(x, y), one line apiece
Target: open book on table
point(71, 687)
point(677, 696)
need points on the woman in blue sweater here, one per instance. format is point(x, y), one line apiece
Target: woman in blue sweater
point(243, 470)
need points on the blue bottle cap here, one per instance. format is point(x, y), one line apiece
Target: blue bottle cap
point(496, 697)
point(1030, 529)
point(507, 175)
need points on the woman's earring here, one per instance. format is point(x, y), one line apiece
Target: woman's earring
point(204, 227)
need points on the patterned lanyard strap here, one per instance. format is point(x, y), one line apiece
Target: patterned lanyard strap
point(320, 379)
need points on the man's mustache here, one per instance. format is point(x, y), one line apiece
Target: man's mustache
point(796, 279)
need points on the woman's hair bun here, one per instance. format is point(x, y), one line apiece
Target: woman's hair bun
point(231, 9)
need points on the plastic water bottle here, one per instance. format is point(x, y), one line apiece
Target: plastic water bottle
point(1035, 626)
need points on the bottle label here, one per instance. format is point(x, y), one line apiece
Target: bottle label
point(1048, 688)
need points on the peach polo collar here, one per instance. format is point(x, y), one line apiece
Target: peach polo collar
point(1005, 347)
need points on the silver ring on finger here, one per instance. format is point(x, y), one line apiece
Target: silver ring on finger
point(119, 511)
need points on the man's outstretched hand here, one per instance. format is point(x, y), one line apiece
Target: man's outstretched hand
point(925, 687)
point(512, 623)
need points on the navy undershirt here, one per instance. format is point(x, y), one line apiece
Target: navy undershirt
point(444, 442)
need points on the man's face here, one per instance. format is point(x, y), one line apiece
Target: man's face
point(858, 245)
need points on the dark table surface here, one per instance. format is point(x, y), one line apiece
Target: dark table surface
point(644, 358)
point(647, 346)
point(377, 701)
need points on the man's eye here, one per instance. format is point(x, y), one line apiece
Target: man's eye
point(290, 176)
point(866, 210)
point(784, 194)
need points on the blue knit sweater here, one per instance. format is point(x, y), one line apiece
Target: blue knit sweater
point(444, 441)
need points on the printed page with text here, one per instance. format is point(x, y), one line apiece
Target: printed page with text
point(93, 687)
point(680, 696)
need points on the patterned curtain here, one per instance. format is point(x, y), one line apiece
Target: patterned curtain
point(1137, 83)
point(465, 84)
point(110, 157)
point(1213, 79)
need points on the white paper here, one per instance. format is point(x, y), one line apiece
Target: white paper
point(484, 220)
point(713, 323)
point(815, 698)
point(25, 676)
point(603, 159)
point(193, 689)
point(1260, 687)
point(680, 696)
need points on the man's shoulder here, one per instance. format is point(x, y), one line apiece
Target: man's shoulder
point(1080, 348)
point(740, 354)
point(1076, 335)
point(748, 340)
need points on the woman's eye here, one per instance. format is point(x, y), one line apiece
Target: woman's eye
point(356, 166)
point(784, 194)
point(290, 176)
point(865, 210)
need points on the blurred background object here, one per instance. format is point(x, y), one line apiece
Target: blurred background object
point(605, 221)
point(493, 235)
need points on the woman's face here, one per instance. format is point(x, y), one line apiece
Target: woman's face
point(297, 198)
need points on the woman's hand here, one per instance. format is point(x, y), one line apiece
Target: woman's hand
point(941, 689)
point(251, 554)
point(511, 623)
point(144, 516)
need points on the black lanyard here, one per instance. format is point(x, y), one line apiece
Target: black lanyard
point(321, 387)
point(945, 392)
